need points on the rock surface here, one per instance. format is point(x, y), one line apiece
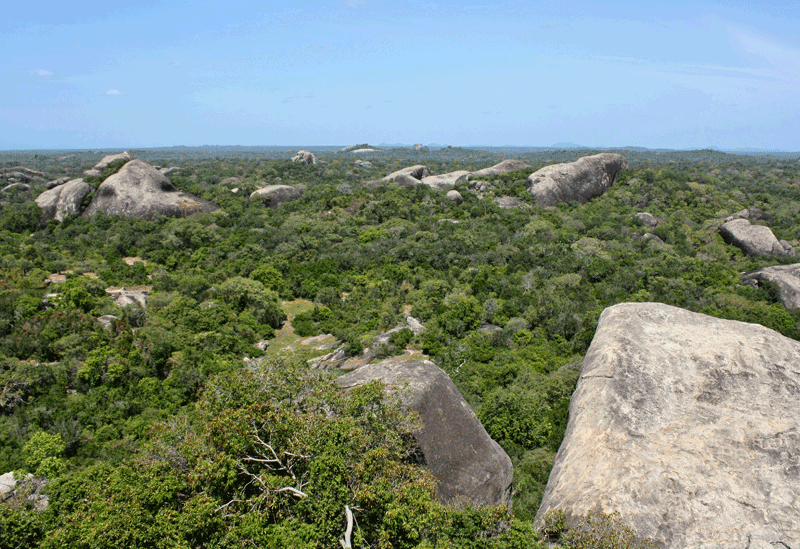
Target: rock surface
point(753, 239)
point(456, 447)
point(139, 190)
point(505, 166)
point(57, 182)
point(417, 172)
point(646, 219)
point(507, 202)
point(63, 200)
point(688, 426)
point(103, 164)
point(304, 157)
point(581, 181)
point(787, 277)
point(454, 196)
point(274, 195)
point(445, 181)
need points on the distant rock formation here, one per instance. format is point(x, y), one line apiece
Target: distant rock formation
point(753, 239)
point(787, 277)
point(21, 174)
point(139, 190)
point(304, 157)
point(581, 181)
point(688, 426)
point(16, 187)
point(454, 196)
point(363, 163)
point(505, 166)
point(754, 214)
point(457, 449)
point(419, 147)
point(507, 202)
point(100, 167)
point(63, 200)
point(125, 297)
point(273, 196)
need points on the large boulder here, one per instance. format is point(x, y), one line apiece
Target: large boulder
point(446, 181)
point(787, 278)
point(581, 181)
point(63, 200)
point(505, 166)
point(139, 190)
point(100, 167)
point(416, 172)
point(273, 196)
point(304, 157)
point(467, 462)
point(686, 425)
point(753, 239)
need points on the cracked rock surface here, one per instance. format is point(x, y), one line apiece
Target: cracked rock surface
point(688, 426)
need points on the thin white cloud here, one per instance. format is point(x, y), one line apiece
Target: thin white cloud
point(113, 93)
point(42, 73)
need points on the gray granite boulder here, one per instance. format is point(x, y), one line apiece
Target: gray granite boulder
point(304, 157)
point(507, 202)
point(100, 167)
point(505, 166)
point(139, 190)
point(688, 426)
point(454, 196)
point(580, 181)
point(56, 182)
point(646, 219)
point(273, 196)
point(753, 239)
point(16, 187)
point(787, 277)
point(417, 172)
point(445, 181)
point(63, 200)
point(457, 449)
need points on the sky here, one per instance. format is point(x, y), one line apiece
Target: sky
point(139, 74)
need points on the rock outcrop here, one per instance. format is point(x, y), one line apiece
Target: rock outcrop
point(56, 182)
point(304, 157)
point(100, 167)
point(63, 200)
point(416, 172)
point(688, 426)
point(581, 181)
point(505, 166)
point(274, 195)
point(445, 181)
point(139, 190)
point(787, 277)
point(467, 462)
point(454, 196)
point(753, 239)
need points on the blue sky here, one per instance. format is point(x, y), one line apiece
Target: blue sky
point(146, 74)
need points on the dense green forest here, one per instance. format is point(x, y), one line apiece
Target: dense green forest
point(143, 429)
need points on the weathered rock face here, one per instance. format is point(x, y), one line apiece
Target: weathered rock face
point(787, 277)
point(582, 180)
point(753, 239)
point(20, 187)
point(688, 426)
point(445, 181)
point(139, 190)
point(507, 202)
point(274, 195)
point(64, 200)
point(503, 167)
point(363, 163)
point(304, 157)
point(417, 172)
point(103, 164)
point(456, 447)
point(454, 196)
point(57, 182)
